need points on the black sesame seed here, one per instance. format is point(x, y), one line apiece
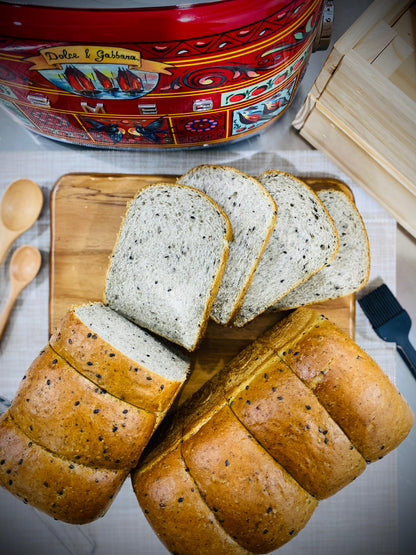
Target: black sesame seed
point(112, 355)
point(77, 403)
point(125, 411)
point(180, 499)
point(227, 462)
point(308, 407)
point(89, 363)
point(70, 341)
point(96, 410)
point(115, 428)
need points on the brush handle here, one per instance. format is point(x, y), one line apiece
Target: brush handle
point(408, 354)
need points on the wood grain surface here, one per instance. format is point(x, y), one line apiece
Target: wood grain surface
point(86, 214)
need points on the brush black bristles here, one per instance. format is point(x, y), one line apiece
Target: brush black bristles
point(380, 306)
point(390, 321)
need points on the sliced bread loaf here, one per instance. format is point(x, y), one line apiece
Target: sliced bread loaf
point(120, 357)
point(349, 270)
point(168, 261)
point(291, 419)
point(62, 488)
point(252, 212)
point(303, 241)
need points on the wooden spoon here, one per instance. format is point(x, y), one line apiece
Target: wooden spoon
point(19, 209)
point(24, 267)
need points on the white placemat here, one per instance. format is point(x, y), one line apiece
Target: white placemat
point(362, 518)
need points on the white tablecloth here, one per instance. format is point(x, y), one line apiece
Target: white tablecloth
point(362, 518)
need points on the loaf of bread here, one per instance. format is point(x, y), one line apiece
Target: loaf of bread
point(291, 420)
point(303, 241)
point(252, 213)
point(62, 488)
point(349, 270)
point(168, 262)
point(85, 410)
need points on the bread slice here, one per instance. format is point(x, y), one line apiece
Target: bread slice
point(69, 415)
point(120, 357)
point(349, 270)
point(168, 262)
point(303, 241)
point(64, 489)
point(252, 212)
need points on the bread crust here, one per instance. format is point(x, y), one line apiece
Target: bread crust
point(110, 369)
point(244, 446)
point(254, 498)
point(66, 413)
point(62, 488)
point(176, 511)
point(350, 385)
point(287, 419)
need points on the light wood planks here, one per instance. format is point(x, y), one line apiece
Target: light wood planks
point(361, 110)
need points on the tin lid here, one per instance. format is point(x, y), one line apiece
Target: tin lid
point(108, 4)
point(122, 22)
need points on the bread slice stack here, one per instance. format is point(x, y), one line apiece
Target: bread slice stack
point(349, 270)
point(252, 213)
point(303, 241)
point(294, 418)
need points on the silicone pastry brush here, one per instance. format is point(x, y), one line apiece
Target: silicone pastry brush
point(390, 321)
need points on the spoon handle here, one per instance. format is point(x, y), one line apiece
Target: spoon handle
point(6, 239)
point(4, 316)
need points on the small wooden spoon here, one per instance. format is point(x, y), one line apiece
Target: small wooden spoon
point(24, 267)
point(19, 209)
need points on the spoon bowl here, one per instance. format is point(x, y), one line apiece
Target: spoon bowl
point(19, 209)
point(24, 267)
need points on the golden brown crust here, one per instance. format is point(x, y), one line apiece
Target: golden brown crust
point(176, 511)
point(68, 414)
point(351, 386)
point(109, 368)
point(63, 489)
point(244, 446)
point(257, 502)
point(286, 418)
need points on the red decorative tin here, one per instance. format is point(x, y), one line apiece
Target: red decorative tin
point(170, 75)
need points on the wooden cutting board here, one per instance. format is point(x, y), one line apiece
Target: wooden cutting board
point(86, 213)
